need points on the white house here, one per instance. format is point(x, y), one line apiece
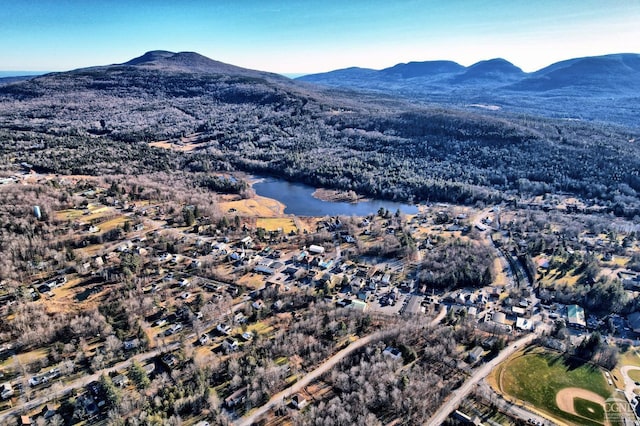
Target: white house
point(316, 249)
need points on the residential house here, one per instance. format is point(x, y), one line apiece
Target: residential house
point(475, 354)
point(298, 401)
point(392, 352)
point(236, 398)
point(230, 345)
point(524, 324)
point(169, 360)
point(6, 391)
point(48, 411)
point(224, 329)
point(204, 339)
point(315, 249)
point(575, 316)
point(120, 380)
point(131, 344)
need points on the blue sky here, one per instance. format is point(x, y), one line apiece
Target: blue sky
point(295, 36)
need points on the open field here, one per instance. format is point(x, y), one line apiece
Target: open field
point(26, 358)
point(252, 281)
point(92, 212)
point(552, 383)
point(635, 375)
point(275, 223)
point(113, 223)
point(185, 147)
point(501, 278)
point(257, 206)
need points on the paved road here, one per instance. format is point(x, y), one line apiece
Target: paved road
point(306, 380)
point(459, 394)
point(84, 381)
point(629, 387)
point(629, 384)
point(322, 369)
point(513, 410)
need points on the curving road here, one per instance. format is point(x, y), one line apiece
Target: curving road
point(461, 393)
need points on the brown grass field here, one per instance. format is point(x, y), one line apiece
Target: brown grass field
point(274, 223)
point(257, 207)
point(185, 147)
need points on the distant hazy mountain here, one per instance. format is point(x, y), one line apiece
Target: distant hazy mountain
point(14, 79)
point(5, 74)
point(611, 74)
point(7, 77)
point(604, 88)
point(422, 69)
point(491, 72)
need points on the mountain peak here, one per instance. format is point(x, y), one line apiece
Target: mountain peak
point(192, 62)
point(151, 56)
point(422, 69)
point(494, 65)
point(496, 71)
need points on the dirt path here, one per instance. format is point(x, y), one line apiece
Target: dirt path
point(564, 398)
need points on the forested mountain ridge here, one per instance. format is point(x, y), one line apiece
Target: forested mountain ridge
point(101, 119)
point(603, 88)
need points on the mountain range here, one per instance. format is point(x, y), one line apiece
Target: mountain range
point(114, 119)
point(604, 88)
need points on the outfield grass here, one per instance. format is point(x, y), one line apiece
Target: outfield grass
point(537, 376)
point(630, 357)
point(589, 409)
point(635, 375)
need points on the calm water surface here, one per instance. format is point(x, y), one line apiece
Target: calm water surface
point(299, 201)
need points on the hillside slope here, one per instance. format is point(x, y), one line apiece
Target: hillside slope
point(101, 119)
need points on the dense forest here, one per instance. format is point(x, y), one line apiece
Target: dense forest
point(100, 120)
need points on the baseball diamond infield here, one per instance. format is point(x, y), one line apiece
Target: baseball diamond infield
point(566, 399)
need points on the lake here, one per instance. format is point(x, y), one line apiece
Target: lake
point(298, 199)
